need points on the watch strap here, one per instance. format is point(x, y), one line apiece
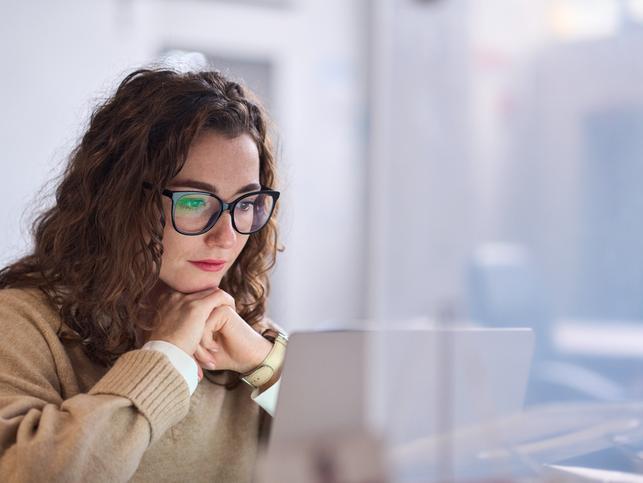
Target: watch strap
point(270, 365)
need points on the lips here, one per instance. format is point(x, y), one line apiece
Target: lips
point(209, 265)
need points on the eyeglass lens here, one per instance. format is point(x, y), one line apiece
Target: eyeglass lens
point(194, 212)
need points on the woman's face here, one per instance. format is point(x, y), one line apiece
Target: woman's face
point(228, 168)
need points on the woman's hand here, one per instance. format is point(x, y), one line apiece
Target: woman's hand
point(228, 341)
point(206, 325)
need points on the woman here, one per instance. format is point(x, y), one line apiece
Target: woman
point(149, 270)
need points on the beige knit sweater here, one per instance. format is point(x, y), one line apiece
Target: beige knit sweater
point(64, 418)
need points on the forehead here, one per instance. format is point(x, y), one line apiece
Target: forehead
point(225, 163)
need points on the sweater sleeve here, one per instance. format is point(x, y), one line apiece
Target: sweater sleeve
point(98, 436)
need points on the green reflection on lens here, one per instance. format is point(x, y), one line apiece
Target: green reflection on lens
point(188, 203)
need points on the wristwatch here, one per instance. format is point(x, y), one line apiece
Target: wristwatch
point(271, 364)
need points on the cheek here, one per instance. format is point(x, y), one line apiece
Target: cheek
point(241, 243)
point(173, 246)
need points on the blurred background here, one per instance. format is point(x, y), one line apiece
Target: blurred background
point(481, 159)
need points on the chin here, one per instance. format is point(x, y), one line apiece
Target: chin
point(192, 285)
point(201, 286)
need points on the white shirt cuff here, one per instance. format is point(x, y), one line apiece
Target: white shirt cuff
point(183, 363)
point(268, 398)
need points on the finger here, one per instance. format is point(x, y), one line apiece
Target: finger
point(209, 339)
point(173, 297)
point(226, 298)
point(199, 309)
point(217, 321)
point(205, 358)
point(205, 304)
point(204, 365)
point(199, 293)
point(199, 370)
point(225, 293)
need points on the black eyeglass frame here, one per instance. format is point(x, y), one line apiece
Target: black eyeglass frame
point(175, 195)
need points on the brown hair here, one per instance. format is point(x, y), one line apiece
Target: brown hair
point(97, 252)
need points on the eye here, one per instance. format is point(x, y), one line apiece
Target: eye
point(245, 205)
point(189, 203)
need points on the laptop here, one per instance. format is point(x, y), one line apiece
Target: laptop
point(401, 384)
point(350, 397)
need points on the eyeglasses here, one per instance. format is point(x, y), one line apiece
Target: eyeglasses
point(196, 212)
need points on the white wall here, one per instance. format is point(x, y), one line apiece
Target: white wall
point(55, 62)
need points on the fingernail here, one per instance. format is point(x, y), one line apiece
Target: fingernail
point(210, 365)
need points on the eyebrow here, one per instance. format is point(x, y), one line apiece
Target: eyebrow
point(208, 187)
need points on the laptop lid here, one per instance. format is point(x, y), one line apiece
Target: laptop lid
point(402, 384)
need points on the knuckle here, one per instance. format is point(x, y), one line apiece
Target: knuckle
point(229, 310)
point(226, 297)
point(224, 311)
point(220, 309)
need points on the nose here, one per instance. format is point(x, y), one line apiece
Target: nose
point(222, 234)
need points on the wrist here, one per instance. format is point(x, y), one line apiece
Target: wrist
point(182, 362)
point(174, 341)
point(268, 370)
point(259, 354)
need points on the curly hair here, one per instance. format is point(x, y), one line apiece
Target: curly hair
point(97, 251)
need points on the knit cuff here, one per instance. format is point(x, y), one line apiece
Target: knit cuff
point(155, 387)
